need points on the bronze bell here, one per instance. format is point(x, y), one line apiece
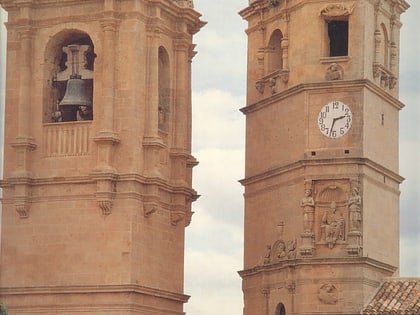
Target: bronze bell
point(74, 97)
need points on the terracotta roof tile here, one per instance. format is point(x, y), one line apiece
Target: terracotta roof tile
point(400, 296)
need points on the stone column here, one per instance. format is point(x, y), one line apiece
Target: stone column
point(23, 143)
point(104, 173)
point(152, 143)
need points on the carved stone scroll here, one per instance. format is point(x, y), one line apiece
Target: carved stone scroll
point(337, 10)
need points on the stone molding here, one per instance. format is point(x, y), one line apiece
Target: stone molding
point(256, 178)
point(125, 297)
point(338, 84)
point(315, 262)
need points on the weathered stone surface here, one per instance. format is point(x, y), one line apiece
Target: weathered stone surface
point(95, 207)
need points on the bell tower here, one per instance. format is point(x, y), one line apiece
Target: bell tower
point(321, 170)
point(97, 158)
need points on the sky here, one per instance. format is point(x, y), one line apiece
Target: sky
point(214, 240)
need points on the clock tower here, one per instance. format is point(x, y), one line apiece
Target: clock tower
point(97, 156)
point(321, 175)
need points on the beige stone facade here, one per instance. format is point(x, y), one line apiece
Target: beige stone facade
point(95, 203)
point(321, 179)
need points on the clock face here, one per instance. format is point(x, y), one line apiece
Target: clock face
point(334, 119)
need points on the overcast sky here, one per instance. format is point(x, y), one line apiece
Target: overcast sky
point(215, 236)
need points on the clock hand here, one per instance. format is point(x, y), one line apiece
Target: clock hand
point(333, 123)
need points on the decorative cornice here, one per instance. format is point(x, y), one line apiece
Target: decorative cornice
point(339, 84)
point(275, 171)
point(84, 289)
point(314, 262)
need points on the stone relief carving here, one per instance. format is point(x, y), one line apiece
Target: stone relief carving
point(333, 223)
point(334, 72)
point(328, 294)
point(337, 10)
point(280, 250)
point(185, 3)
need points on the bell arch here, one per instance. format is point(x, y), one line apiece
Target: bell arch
point(385, 46)
point(275, 53)
point(69, 53)
point(164, 106)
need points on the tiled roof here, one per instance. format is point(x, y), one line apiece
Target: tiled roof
point(399, 296)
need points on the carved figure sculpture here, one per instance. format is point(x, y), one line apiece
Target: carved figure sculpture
point(354, 203)
point(308, 206)
point(334, 72)
point(291, 249)
point(267, 255)
point(333, 222)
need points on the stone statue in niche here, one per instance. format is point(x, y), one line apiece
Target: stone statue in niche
point(354, 204)
point(334, 225)
point(334, 72)
point(328, 294)
point(308, 205)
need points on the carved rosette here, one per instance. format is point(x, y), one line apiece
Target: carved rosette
point(328, 294)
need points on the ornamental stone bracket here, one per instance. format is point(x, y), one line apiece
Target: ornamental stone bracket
point(387, 80)
point(22, 199)
point(272, 81)
point(149, 208)
point(105, 191)
point(178, 213)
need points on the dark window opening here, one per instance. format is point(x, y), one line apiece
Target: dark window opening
point(338, 34)
point(280, 310)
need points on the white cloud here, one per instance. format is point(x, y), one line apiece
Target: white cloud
point(217, 122)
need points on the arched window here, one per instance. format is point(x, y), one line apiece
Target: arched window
point(275, 54)
point(280, 310)
point(164, 89)
point(385, 47)
point(69, 70)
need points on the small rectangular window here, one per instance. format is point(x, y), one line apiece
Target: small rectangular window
point(338, 34)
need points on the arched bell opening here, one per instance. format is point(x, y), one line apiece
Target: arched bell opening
point(275, 53)
point(164, 90)
point(69, 67)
